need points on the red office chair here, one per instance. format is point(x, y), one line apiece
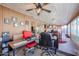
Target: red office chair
point(26, 34)
point(31, 44)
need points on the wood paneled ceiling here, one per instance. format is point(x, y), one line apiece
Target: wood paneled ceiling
point(61, 13)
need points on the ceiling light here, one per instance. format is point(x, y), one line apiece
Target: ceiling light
point(38, 10)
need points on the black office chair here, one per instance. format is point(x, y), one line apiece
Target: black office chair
point(45, 44)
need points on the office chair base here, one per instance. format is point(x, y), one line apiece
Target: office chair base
point(48, 52)
point(29, 52)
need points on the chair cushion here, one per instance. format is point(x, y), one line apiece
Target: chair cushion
point(31, 44)
point(26, 34)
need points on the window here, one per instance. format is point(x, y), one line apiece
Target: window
point(73, 27)
point(78, 30)
point(68, 29)
point(77, 26)
point(64, 29)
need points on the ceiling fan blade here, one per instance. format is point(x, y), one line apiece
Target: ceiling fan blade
point(29, 9)
point(44, 4)
point(38, 5)
point(35, 4)
point(46, 10)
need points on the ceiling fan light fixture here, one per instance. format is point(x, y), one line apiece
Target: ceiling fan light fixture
point(38, 10)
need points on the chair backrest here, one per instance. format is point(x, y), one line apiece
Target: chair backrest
point(5, 36)
point(45, 40)
point(26, 34)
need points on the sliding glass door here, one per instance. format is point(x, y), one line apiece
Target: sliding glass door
point(77, 26)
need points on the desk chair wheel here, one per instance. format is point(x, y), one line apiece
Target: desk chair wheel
point(47, 52)
point(29, 52)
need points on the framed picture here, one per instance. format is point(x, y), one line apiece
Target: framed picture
point(7, 21)
point(16, 24)
point(14, 19)
point(27, 22)
point(22, 23)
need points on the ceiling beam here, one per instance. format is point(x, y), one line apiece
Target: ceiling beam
point(75, 15)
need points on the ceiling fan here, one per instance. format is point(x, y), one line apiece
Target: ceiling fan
point(39, 7)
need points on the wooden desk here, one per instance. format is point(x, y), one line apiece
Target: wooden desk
point(11, 44)
point(18, 43)
point(15, 44)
